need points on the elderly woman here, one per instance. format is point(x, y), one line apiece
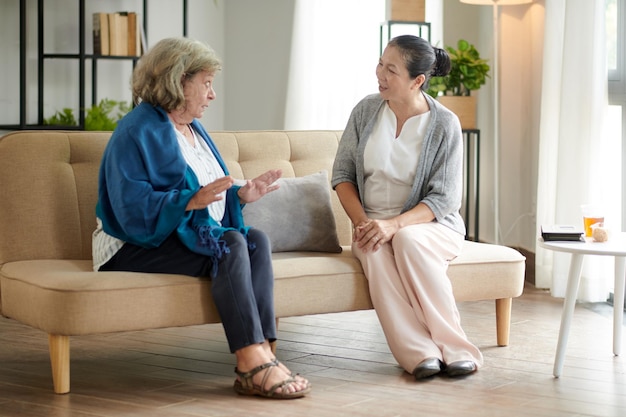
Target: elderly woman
point(166, 204)
point(398, 175)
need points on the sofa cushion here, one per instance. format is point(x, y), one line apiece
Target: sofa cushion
point(72, 299)
point(298, 216)
point(484, 271)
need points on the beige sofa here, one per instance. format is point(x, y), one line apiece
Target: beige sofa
point(48, 186)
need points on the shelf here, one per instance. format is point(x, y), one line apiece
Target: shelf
point(81, 57)
point(38, 127)
point(421, 29)
point(90, 56)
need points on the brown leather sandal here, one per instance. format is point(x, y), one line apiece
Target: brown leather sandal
point(245, 386)
point(299, 378)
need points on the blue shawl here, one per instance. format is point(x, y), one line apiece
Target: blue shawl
point(145, 185)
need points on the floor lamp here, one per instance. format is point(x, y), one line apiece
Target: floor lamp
point(496, 101)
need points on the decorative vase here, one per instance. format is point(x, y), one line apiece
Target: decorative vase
point(464, 107)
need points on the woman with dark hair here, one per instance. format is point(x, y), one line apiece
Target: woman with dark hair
point(398, 175)
point(166, 204)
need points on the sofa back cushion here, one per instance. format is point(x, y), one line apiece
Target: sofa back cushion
point(48, 183)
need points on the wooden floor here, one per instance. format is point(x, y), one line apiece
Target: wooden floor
point(189, 371)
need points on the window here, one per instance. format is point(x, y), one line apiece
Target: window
point(616, 67)
point(616, 71)
point(326, 81)
point(614, 38)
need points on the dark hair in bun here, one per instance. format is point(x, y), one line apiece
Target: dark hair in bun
point(442, 63)
point(420, 57)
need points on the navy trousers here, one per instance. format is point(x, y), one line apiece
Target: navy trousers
point(243, 290)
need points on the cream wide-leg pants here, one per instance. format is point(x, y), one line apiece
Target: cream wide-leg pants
point(413, 298)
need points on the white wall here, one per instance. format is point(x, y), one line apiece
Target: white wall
point(256, 65)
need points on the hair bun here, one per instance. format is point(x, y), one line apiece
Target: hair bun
point(442, 63)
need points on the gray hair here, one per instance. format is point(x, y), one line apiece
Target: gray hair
point(159, 75)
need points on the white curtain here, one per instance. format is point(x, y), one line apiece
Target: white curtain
point(334, 52)
point(573, 150)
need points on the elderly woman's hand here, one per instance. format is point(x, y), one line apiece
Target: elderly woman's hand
point(210, 193)
point(259, 186)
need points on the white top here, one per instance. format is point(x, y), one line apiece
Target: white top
point(203, 163)
point(391, 163)
point(103, 246)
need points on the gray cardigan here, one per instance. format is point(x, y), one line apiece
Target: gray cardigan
point(438, 181)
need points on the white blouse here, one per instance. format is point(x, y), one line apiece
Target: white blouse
point(204, 164)
point(391, 163)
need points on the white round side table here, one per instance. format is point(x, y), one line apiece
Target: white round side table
point(615, 246)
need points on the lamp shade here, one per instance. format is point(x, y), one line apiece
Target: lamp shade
point(498, 2)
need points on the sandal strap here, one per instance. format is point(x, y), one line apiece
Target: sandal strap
point(272, 390)
point(291, 374)
point(254, 371)
point(247, 381)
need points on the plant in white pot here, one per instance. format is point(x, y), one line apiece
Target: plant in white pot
point(468, 72)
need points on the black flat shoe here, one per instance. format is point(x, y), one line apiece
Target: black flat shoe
point(427, 367)
point(460, 368)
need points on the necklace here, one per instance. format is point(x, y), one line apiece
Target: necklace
point(191, 139)
point(187, 133)
point(184, 128)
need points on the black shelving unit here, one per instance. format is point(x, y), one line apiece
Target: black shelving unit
point(81, 57)
point(421, 29)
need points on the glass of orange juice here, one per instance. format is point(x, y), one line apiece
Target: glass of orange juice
point(592, 214)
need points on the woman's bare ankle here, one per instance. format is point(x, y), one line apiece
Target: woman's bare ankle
point(251, 356)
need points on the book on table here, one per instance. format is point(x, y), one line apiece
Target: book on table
point(562, 232)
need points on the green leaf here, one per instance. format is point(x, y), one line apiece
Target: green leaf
point(102, 116)
point(63, 118)
point(468, 72)
point(105, 115)
point(464, 45)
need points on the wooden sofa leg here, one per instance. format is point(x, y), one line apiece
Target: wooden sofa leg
point(503, 320)
point(60, 360)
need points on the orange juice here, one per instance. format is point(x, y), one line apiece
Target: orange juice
point(591, 221)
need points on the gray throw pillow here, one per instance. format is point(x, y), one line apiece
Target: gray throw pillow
point(298, 216)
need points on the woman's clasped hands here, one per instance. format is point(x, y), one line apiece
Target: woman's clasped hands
point(372, 234)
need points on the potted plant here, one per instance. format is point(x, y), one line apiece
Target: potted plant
point(102, 116)
point(468, 72)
